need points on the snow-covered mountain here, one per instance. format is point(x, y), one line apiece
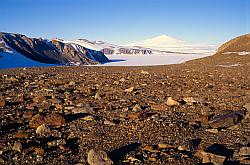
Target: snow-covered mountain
point(21, 48)
point(110, 49)
point(170, 44)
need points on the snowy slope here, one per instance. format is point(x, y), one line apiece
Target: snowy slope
point(9, 58)
point(150, 60)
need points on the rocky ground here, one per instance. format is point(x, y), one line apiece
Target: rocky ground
point(193, 113)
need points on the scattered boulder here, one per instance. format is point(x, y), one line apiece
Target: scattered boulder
point(129, 90)
point(210, 157)
point(36, 121)
point(172, 102)
point(17, 146)
point(98, 157)
point(54, 119)
point(42, 129)
point(2, 103)
point(226, 120)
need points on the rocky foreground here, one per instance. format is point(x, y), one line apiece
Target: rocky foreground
point(197, 112)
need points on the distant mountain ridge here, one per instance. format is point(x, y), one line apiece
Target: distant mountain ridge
point(50, 52)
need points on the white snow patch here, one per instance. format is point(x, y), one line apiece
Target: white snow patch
point(149, 60)
point(15, 60)
point(229, 66)
point(244, 53)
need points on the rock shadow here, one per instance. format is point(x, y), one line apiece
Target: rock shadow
point(119, 154)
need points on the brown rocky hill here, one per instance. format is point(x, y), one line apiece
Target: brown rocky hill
point(239, 44)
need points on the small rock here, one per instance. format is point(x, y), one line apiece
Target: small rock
point(42, 129)
point(163, 145)
point(152, 159)
point(116, 82)
point(17, 146)
point(210, 158)
point(2, 103)
point(122, 80)
point(97, 96)
point(98, 158)
point(21, 134)
point(39, 99)
point(247, 106)
point(28, 114)
point(135, 115)
point(148, 148)
point(39, 151)
point(189, 100)
point(36, 121)
point(244, 151)
point(129, 90)
point(215, 131)
point(171, 102)
point(106, 122)
point(158, 107)
point(88, 118)
point(144, 72)
point(54, 119)
point(72, 83)
point(227, 120)
point(69, 107)
point(136, 108)
point(56, 101)
point(57, 142)
point(83, 109)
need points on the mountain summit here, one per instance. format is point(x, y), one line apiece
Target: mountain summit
point(168, 43)
point(159, 41)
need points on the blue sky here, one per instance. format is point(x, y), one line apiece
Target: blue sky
point(126, 21)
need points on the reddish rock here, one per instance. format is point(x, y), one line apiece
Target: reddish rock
point(36, 121)
point(54, 119)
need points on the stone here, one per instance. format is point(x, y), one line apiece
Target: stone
point(21, 134)
point(122, 80)
point(2, 103)
point(106, 122)
point(136, 108)
point(226, 120)
point(56, 142)
point(215, 131)
point(97, 96)
point(247, 106)
point(42, 129)
point(244, 151)
point(98, 157)
point(129, 90)
point(171, 102)
point(158, 107)
point(54, 119)
point(39, 99)
point(134, 115)
point(56, 101)
point(144, 72)
point(17, 146)
point(72, 83)
point(69, 107)
point(39, 151)
point(148, 148)
point(210, 157)
point(36, 121)
point(189, 100)
point(88, 118)
point(163, 145)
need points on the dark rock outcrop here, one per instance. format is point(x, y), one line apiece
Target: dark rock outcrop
point(51, 52)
